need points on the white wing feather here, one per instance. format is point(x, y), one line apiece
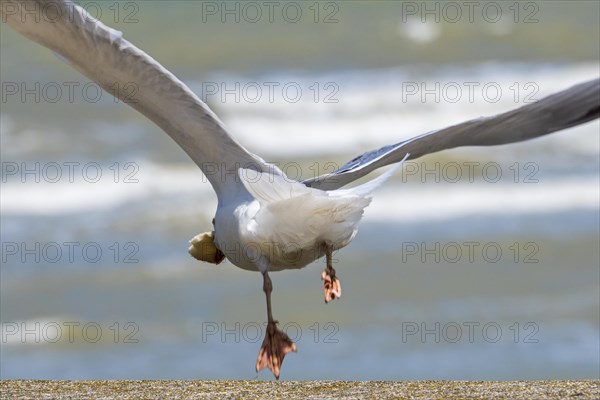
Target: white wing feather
point(103, 55)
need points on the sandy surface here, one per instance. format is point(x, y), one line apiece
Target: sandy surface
point(21, 389)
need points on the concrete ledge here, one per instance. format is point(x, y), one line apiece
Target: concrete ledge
point(24, 389)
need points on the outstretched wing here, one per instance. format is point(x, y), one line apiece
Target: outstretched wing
point(573, 106)
point(103, 55)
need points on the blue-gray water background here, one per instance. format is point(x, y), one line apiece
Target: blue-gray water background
point(472, 264)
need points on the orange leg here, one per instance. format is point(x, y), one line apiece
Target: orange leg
point(276, 343)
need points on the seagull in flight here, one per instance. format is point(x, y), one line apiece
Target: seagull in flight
point(264, 220)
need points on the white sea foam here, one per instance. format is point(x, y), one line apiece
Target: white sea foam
point(396, 201)
point(435, 202)
point(64, 197)
point(371, 112)
point(375, 108)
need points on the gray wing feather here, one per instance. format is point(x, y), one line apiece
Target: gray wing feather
point(573, 106)
point(103, 55)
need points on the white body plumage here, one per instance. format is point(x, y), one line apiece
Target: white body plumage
point(283, 224)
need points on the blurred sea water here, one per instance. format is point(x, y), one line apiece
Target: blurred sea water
point(475, 263)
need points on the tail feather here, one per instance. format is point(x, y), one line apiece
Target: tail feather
point(291, 213)
point(367, 188)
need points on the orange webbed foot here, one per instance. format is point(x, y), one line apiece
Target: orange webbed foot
point(273, 350)
point(332, 289)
